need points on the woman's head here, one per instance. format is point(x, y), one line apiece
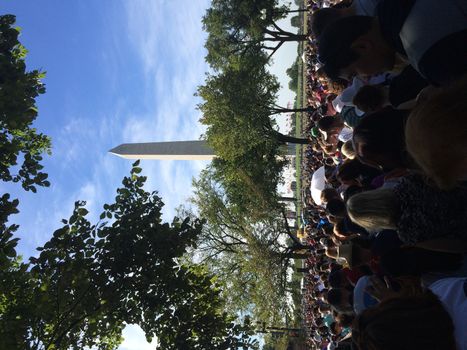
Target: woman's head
point(379, 139)
point(436, 135)
point(410, 322)
point(374, 210)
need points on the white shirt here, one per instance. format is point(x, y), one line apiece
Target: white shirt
point(345, 134)
point(452, 293)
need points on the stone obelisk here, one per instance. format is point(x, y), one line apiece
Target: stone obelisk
point(172, 150)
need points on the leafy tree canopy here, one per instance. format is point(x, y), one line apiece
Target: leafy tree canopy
point(89, 280)
point(250, 256)
point(241, 132)
point(236, 27)
point(292, 72)
point(21, 145)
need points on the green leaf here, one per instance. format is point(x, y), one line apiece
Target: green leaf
point(83, 211)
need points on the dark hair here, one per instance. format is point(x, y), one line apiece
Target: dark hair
point(334, 47)
point(351, 190)
point(336, 207)
point(342, 228)
point(326, 123)
point(322, 18)
point(335, 279)
point(352, 169)
point(382, 133)
point(345, 320)
point(416, 261)
point(329, 193)
point(412, 322)
point(332, 328)
point(334, 297)
point(369, 98)
point(349, 170)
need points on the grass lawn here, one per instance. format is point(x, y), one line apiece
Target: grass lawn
point(301, 98)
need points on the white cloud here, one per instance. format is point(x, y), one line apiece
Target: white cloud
point(134, 339)
point(168, 39)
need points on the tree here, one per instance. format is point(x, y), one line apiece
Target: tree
point(295, 21)
point(251, 256)
point(237, 107)
point(21, 147)
point(91, 279)
point(292, 72)
point(235, 27)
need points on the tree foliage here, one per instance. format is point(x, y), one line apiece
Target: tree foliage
point(238, 107)
point(292, 72)
point(237, 27)
point(250, 256)
point(239, 129)
point(21, 145)
point(89, 280)
point(295, 21)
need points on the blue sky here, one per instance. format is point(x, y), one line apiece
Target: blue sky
point(117, 71)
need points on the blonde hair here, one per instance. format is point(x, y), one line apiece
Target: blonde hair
point(436, 135)
point(347, 150)
point(374, 210)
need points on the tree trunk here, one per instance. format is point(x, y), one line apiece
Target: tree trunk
point(277, 36)
point(299, 246)
point(294, 11)
point(287, 199)
point(296, 255)
point(270, 13)
point(291, 110)
point(290, 139)
point(302, 270)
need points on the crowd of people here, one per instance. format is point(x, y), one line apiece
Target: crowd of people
point(387, 264)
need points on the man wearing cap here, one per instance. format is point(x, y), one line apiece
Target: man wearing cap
point(431, 35)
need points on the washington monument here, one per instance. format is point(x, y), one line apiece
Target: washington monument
point(172, 150)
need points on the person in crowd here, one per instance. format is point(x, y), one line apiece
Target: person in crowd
point(353, 172)
point(415, 322)
point(334, 129)
point(323, 17)
point(403, 31)
point(379, 140)
point(414, 317)
point(347, 150)
point(371, 98)
point(419, 212)
point(408, 143)
point(413, 261)
point(328, 194)
point(436, 136)
point(341, 299)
